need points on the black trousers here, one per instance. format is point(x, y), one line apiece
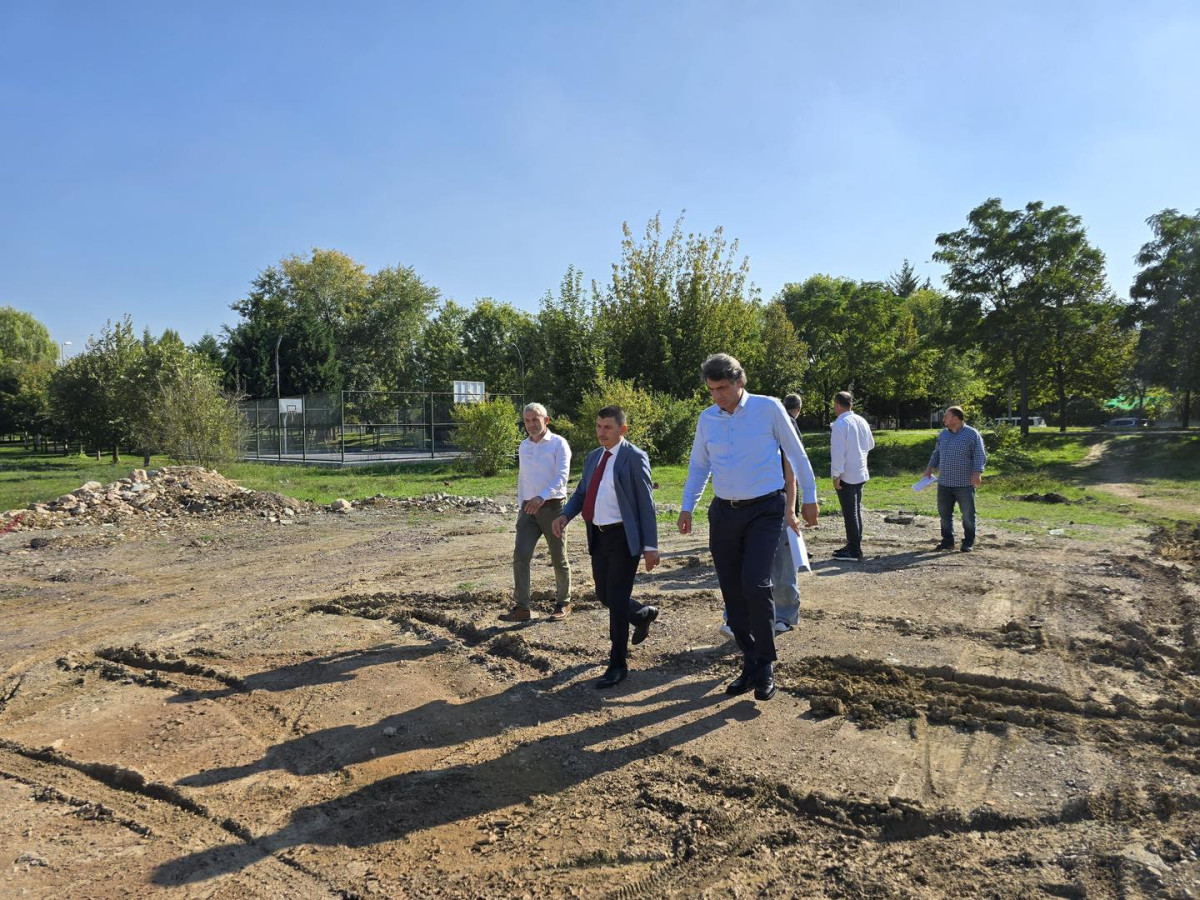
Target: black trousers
point(743, 541)
point(850, 496)
point(613, 570)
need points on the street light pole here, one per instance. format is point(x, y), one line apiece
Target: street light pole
point(62, 351)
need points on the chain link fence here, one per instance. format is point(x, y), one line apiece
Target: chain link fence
point(355, 426)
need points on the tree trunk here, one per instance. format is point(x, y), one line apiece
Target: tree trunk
point(1060, 376)
point(145, 459)
point(1186, 418)
point(116, 454)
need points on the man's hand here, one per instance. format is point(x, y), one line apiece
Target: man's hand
point(651, 557)
point(837, 482)
point(808, 512)
point(685, 523)
point(928, 471)
point(558, 526)
point(976, 479)
point(532, 506)
point(789, 519)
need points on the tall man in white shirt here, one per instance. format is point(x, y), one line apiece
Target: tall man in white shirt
point(545, 460)
point(849, 443)
point(739, 441)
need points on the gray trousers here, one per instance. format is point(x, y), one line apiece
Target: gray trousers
point(529, 529)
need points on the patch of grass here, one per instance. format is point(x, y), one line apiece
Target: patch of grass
point(28, 477)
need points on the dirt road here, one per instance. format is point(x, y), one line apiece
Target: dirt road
point(327, 706)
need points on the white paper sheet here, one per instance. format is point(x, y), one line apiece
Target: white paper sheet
point(799, 550)
point(924, 483)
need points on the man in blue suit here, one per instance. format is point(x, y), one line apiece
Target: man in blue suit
point(614, 496)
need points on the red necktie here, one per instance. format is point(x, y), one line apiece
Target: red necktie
point(589, 500)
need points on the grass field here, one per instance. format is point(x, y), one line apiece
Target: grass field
point(1160, 474)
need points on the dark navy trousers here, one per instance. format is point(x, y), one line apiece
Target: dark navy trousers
point(743, 540)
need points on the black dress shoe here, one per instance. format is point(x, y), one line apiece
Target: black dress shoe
point(612, 676)
point(764, 688)
point(944, 546)
point(641, 630)
point(743, 682)
point(965, 548)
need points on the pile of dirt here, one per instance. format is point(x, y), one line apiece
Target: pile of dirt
point(1181, 543)
point(1048, 497)
point(166, 493)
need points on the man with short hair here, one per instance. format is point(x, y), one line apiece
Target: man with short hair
point(850, 441)
point(959, 456)
point(615, 495)
point(739, 442)
point(544, 461)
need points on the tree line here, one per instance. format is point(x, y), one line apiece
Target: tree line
point(1026, 317)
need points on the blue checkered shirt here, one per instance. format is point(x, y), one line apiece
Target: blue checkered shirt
point(956, 456)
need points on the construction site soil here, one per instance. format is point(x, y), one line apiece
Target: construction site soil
point(238, 695)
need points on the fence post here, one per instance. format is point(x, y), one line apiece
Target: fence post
point(257, 435)
point(432, 428)
point(304, 428)
point(281, 426)
point(342, 431)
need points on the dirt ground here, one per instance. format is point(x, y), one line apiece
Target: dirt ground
point(325, 705)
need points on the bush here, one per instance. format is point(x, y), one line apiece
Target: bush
point(193, 421)
point(676, 427)
point(1005, 450)
point(489, 434)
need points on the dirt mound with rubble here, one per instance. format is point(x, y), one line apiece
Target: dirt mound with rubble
point(167, 493)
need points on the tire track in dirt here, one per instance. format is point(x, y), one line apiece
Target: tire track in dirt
point(156, 813)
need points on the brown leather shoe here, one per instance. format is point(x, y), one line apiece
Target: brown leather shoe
point(516, 614)
point(560, 612)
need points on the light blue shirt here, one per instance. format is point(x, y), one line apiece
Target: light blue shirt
point(740, 450)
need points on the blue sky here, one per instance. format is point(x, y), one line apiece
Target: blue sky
point(157, 156)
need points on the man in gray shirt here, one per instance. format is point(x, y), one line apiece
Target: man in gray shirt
point(959, 456)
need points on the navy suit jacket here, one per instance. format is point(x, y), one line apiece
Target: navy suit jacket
point(634, 487)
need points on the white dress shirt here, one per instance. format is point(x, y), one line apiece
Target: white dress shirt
point(608, 511)
point(543, 469)
point(850, 441)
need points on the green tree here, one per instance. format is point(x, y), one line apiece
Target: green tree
point(1023, 272)
point(905, 283)
point(341, 326)
point(92, 397)
point(194, 421)
point(496, 338)
point(440, 358)
point(24, 338)
point(27, 359)
point(566, 358)
point(1167, 293)
point(784, 357)
point(673, 300)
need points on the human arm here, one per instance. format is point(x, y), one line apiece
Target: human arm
point(699, 469)
point(936, 457)
point(837, 452)
point(574, 505)
point(789, 491)
point(643, 490)
point(793, 451)
point(980, 456)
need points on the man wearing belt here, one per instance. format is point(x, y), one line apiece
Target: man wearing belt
point(738, 442)
point(545, 460)
point(615, 496)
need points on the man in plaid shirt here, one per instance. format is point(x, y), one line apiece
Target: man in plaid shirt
point(959, 456)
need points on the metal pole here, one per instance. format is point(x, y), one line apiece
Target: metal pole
point(304, 427)
point(432, 428)
point(343, 429)
point(257, 434)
